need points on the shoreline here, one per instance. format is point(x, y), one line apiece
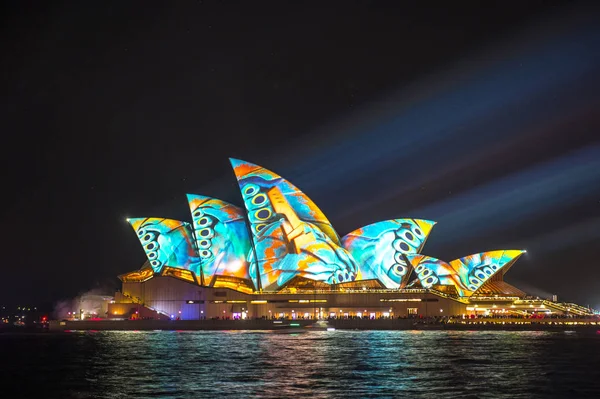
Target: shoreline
point(322, 325)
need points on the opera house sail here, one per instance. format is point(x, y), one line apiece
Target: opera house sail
point(291, 236)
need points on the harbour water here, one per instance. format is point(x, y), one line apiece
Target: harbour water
point(317, 364)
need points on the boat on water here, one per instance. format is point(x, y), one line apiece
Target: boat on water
point(292, 327)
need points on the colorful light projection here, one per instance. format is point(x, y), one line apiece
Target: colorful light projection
point(305, 208)
point(431, 271)
point(466, 274)
point(475, 269)
point(167, 242)
point(294, 241)
point(222, 237)
point(287, 233)
point(378, 249)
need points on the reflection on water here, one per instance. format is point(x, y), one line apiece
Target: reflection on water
point(441, 364)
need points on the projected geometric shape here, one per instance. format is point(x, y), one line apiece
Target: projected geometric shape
point(167, 242)
point(378, 249)
point(222, 237)
point(286, 244)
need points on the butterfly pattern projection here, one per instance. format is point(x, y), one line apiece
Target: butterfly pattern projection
point(378, 249)
point(290, 237)
point(431, 271)
point(287, 233)
point(476, 269)
point(221, 237)
point(306, 210)
point(167, 242)
point(466, 274)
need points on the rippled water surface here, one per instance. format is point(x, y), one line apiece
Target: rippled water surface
point(244, 364)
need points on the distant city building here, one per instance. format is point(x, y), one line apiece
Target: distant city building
point(281, 257)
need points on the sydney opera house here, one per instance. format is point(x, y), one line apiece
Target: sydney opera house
point(281, 257)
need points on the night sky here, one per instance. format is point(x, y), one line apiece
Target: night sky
point(483, 118)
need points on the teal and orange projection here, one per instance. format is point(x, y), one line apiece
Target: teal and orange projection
point(167, 242)
point(378, 249)
point(466, 274)
point(291, 236)
point(222, 237)
point(280, 234)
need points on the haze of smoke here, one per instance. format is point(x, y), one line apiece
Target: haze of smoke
point(63, 307)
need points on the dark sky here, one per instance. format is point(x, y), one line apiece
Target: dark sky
point(483, 118)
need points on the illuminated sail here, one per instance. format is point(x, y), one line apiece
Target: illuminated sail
point(466, 274)
point(303, 206)
point(287, 243)
point(167, 242)
point(222, 237)
point(378, 249)
point(476, 269)
point(431, 272)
